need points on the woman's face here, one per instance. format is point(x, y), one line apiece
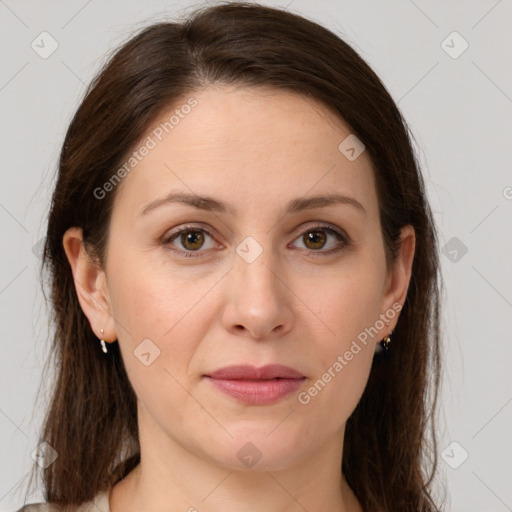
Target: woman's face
point(264, 275)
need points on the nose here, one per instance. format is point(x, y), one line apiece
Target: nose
point(258, 298)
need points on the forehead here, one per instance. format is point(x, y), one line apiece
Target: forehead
point(241, 143)
point(233, 120)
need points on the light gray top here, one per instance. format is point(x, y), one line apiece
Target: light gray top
point(100, 503)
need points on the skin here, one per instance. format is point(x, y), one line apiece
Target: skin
point(255, 149)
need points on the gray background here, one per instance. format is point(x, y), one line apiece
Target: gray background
point(457, 109)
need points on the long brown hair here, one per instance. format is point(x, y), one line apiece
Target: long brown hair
point(389, 455)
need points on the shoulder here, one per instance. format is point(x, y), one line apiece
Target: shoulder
point(38, 507)
point(100, 503)
point(49, 507)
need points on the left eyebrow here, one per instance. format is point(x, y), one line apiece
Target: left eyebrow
point(300, 204)
point(209, 203)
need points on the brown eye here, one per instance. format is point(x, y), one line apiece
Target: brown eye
point(322, 240)
point(192, 239)
point(314, 239)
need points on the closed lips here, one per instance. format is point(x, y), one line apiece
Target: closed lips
point(248, 372)
point(256, 386)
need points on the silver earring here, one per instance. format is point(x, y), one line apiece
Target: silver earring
point(102, 342)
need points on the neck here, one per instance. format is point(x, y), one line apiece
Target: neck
point(173, 478)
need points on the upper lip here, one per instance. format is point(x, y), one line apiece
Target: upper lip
point(248, 372)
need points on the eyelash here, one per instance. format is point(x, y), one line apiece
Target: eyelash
point(343, 238)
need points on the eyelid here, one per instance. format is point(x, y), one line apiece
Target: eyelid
point(322, 225)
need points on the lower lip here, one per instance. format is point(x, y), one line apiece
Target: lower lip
point(257, 392)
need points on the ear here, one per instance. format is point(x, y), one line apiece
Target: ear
point(90, 285)
point(399, 276)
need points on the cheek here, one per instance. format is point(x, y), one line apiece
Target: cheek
point(346, 303)
point(159, 316)
point(170, 309)
point(343, 359)
point(347, 307)
point(153, 299)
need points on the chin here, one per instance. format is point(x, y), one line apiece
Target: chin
point(256, 450)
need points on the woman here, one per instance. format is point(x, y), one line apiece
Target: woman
point(244, 277)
